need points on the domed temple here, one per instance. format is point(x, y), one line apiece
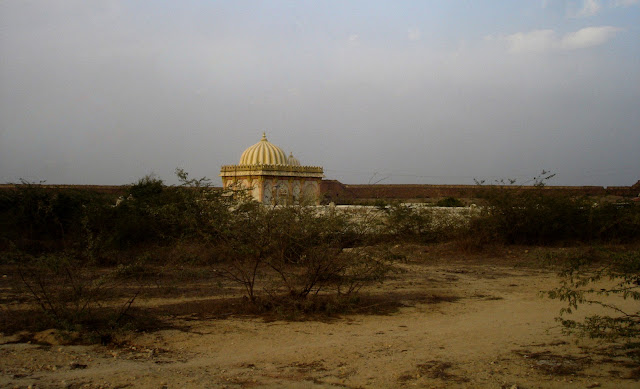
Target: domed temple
point(272, 177)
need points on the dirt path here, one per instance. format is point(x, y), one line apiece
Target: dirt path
point(484, 327)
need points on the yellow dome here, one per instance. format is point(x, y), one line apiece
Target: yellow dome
point(263, 153)
point(293, 160)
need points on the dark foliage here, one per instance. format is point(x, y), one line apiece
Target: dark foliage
point(36, 219)
point(450, 202)
point(409, 223)
point(534, 215)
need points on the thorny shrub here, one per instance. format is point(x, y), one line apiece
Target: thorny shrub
point(407, 222)
point(76, 297)
point(159, 215)
point(598, 277)
point(294, 251)
point(37, 219)
point(450, 202)
point(536, 215)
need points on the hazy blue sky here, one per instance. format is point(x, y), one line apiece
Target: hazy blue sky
point(105, 92)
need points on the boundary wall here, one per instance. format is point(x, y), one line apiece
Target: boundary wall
point(337, 192)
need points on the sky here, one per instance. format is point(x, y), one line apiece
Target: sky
point(388, 92)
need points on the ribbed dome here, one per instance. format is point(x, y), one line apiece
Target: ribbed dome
point(293, 160)
point(263, 153)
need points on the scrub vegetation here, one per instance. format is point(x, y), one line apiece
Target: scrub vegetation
point(83, 259)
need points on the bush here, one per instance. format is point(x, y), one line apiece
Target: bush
point(38, 219)
point(582, 284)
point(531, 216)
point(614, 222)
point(158, 215)
point(75, 297)
point(450, 202)
point(535, 215)
point(410, 223)
point(295, 252)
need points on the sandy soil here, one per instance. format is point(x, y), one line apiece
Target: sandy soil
point(477, 324)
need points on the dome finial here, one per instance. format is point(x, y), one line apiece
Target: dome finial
point(293, 160)
point(263, 153)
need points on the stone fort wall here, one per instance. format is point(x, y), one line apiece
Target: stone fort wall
point(107, 189)
point(337, 192)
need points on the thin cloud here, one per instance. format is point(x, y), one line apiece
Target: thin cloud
point(548, 40)
point(589, 8)
point(533, 41)
point(588, 37)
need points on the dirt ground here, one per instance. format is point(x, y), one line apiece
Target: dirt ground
point(466, 322)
